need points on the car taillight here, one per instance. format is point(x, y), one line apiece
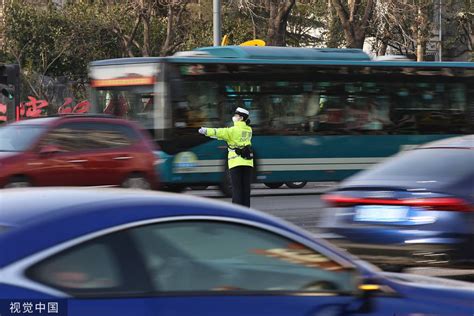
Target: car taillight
point(435, 203)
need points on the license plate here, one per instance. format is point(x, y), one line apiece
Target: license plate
point(380, 213)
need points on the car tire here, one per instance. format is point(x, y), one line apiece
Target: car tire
point(296, 185)
point(274, 185)
point(136, 181)
point(18, 182)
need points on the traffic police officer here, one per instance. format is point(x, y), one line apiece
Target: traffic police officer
point(240, 154)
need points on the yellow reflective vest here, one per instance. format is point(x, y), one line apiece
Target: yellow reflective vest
point(237, 136)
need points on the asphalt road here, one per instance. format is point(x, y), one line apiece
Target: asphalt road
point(299, 206)
point(302, 207)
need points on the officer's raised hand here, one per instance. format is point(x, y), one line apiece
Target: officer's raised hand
point(202, 130)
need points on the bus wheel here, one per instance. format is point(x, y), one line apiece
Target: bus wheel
point(226, 184)
point(274, 185)
point(176, 188)
point(198, 187)
point(296, 185)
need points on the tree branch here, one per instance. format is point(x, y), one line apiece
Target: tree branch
point(365, 19)
point(131, 37)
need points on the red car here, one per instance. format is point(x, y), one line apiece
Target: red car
point(76, 151)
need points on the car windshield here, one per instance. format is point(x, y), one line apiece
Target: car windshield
point(18, 137)
point(432, 164)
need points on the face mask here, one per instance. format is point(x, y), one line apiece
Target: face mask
point(235, 119)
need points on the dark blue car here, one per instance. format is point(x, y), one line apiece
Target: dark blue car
point(119, 252)
point(415, 209)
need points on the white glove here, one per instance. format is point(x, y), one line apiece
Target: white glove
point(202, 130)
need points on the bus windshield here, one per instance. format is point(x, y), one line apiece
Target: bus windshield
point(129, 102)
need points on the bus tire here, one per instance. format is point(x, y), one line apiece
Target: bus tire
point(274, 185)
point(296, 185)
point(176, 188)
point(198, 187)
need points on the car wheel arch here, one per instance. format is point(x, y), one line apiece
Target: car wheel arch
point(19, 178)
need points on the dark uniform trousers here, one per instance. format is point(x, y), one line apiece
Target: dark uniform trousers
point(241, 177)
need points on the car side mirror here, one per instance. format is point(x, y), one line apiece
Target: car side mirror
point(49, 150)
point(367, 291)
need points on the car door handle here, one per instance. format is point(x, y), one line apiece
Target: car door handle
point(123, 158)
point(77, 161)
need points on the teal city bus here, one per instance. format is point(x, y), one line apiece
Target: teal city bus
point(316, 114)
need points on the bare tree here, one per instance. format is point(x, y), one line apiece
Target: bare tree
point(405, 26)
point(146, 12)
point(274, 12)
point(422, 32)
point(129, 37)
point(465, 25)
point(354, 17)
point(175, 11)
point(279, 11)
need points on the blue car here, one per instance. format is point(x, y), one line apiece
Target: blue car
point(415, 209)
point(120, 252)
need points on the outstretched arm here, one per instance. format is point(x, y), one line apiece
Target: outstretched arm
point(219, 133)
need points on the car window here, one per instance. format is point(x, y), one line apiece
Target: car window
point(107, 266)
point(91, 266)
point(218, 256)
point(80, 136)
point(423, 165)
point(19, 137)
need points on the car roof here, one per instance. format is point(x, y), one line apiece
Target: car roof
point(465, 141)
point(37, 218)
point(52, 119)
point(37, 121)
point(446, 182)
point(36, 203)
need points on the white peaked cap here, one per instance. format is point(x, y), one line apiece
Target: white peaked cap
point(242, 110)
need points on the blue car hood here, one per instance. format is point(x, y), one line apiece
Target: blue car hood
point(433, 289)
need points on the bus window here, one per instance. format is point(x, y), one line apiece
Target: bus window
point(432, 108)
point(198, 108)
point(275, 107)
point(311, 109)
point(331, 118)
point(292, 101)
point(117, 105)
